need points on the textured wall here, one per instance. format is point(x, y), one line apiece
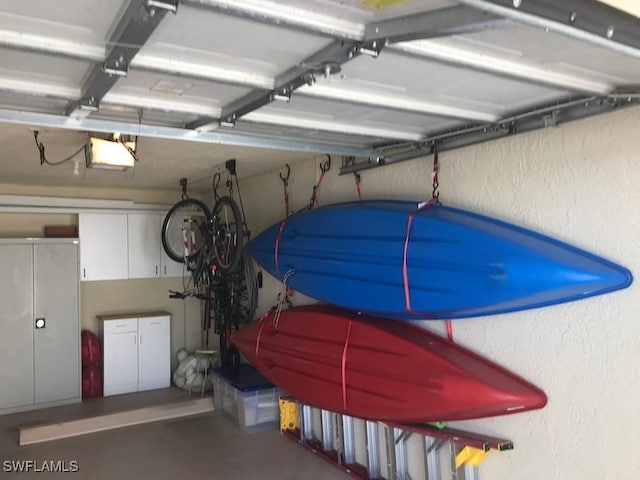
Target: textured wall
point(578, 183)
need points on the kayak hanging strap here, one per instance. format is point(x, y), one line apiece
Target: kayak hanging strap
point(405, 271)
point(276, 247)
point(324, 168)
point(435, 200)
point(285, 184)
point(282, 298)
point(344, 367)
point(357, 179)
point(435, 194)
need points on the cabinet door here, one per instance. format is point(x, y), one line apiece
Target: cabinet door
point(16, 326)
point(57, 359)
point(154, 367)
point(168, 268)
point(144, 245)
point(103, 246)
point(120, 352)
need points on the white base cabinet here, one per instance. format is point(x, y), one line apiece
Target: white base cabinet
point(136, 351)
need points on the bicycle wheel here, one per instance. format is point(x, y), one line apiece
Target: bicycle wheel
point(227, 242)
point(188, 217)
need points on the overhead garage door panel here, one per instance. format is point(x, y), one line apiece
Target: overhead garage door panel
point(40, 74)
point(77, 21)
point(399, 76)
point(483, 66)
point(282, 131)
point(343, 117)
point(32, 103)
point(173, 93)
point(211, 39)
point(553, 51)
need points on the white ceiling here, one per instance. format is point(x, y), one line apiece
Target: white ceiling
point(212, 53)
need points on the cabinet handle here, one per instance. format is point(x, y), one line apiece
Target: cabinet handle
point(165, 269)
point(140, 339)
point(134, 339)
point(156, 269)
point(84, 273)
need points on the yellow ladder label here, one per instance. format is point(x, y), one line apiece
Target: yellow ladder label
point(471, 456)
point(288, 414)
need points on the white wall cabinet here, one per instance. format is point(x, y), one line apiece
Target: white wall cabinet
point(121, 246)
point(144, 245)
point(39, 322)
point(136, 351)
point(103, 246)
point(169, 268)
point(147, 258)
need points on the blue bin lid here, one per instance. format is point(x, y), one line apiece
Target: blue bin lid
point(243, 377)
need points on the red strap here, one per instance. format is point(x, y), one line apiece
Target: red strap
point(436, 167)
point(277, 246)
point(287, 210)
point(405, 273)
point(449, 330)
point(344, 368)
point(262, 321)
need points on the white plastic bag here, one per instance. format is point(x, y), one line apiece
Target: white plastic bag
point(187, 377)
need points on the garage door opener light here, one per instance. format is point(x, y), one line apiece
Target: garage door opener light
point(110, 154)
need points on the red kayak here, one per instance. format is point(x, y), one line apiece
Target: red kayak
point(378, 369)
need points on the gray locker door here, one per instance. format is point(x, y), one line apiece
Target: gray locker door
point(16, 326)
point(57, 349)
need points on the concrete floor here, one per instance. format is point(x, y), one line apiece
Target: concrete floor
point(202, 447)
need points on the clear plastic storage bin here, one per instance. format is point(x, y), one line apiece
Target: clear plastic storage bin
point(244, 395)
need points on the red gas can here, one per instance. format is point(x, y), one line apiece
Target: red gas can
point(91, 352)
point(91, 381)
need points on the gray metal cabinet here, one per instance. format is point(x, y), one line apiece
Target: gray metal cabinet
point(39, 324)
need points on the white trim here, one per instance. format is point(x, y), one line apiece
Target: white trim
point(42, 204)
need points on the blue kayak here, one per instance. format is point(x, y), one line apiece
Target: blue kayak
point(389, 259)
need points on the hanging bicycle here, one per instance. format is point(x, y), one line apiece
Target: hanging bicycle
point(210, 244)
point(200, 238)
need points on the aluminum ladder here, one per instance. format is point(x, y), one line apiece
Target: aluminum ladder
point(370, 450)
